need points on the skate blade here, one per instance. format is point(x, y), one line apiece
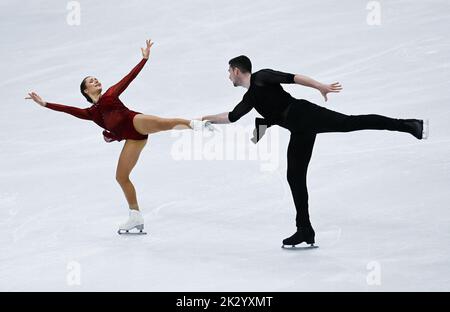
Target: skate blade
point(426, 129)
point(139, 228)
point(295, 247)
point(124, 232)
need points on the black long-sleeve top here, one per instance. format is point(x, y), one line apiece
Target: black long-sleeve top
point(266, 95)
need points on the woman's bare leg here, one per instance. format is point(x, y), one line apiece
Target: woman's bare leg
point(127, 160)
point(147, 124)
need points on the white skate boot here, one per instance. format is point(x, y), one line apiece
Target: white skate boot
point(135, 221)
point(199, 125)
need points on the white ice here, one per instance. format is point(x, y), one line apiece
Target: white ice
point(379, 200)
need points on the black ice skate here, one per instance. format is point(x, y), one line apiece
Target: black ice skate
point(418, 128)
point(301, 236)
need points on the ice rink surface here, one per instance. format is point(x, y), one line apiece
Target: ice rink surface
point(379, 200)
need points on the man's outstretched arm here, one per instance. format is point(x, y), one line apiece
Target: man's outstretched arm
point(270, 76)
point(324, 89)
point(223, 118)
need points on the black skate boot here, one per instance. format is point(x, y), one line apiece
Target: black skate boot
point(417, 128)
point(302, 235)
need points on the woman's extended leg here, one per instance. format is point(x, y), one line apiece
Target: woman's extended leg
point(127, 160)
point(147, 124)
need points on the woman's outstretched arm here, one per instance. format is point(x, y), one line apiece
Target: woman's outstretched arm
point(119, 87)
point(82, 113)
point(221, 118)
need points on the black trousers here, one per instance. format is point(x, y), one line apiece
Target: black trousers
point(304, 120)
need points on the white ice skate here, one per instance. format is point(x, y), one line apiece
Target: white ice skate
point(200, 125)
point(135, 221)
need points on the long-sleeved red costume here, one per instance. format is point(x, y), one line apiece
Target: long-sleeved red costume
point(109, 112)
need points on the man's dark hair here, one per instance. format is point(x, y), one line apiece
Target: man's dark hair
point(242, 62)
point(82, 87)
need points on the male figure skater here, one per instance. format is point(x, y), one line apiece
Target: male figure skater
point(304, 120)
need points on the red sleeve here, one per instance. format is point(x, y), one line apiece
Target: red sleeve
point(82, 113)
point(119, 87)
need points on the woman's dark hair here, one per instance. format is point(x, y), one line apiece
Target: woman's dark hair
point(242, 62)
point(82, 87)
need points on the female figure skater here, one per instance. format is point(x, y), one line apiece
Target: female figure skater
point(121, 123)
